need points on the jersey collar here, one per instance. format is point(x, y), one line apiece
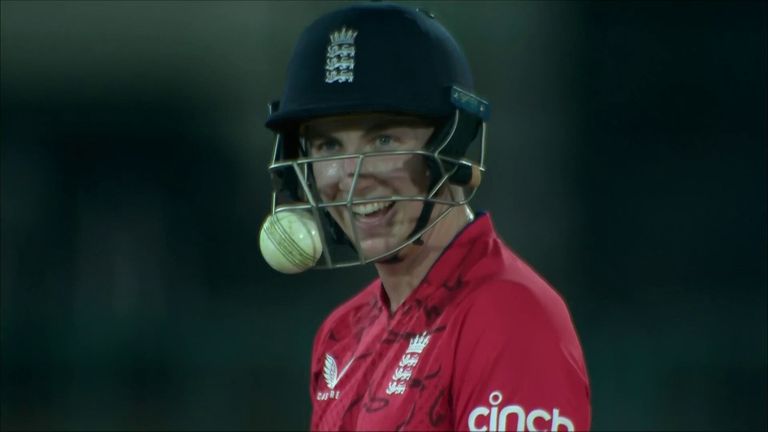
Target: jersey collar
point(457, 259)
point(449, 269)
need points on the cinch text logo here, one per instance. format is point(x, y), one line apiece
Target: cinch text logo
point(498, 418)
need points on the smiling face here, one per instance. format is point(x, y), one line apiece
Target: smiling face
point(380, 225)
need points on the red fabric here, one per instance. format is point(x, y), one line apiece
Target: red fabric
point(483, 343)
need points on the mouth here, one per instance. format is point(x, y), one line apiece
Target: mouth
point(371, 212)
point(372, 217)
point(371, 222)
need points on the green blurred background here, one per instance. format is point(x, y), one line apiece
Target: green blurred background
point(627, 163)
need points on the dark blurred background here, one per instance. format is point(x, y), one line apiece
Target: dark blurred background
point(627, 163)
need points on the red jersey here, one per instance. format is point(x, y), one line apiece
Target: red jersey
point(483, 343)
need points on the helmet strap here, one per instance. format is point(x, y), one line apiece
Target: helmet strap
point(421, 222)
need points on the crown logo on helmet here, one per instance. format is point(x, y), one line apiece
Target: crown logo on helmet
point(343, 36)
point(340, 56)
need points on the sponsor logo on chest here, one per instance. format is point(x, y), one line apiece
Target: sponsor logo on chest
point(404, 369)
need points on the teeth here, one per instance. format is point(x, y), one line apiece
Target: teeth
point(364, 209)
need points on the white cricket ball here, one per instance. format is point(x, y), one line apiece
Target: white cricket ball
point(290, 242)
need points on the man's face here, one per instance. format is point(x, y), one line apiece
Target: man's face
point(381, 226)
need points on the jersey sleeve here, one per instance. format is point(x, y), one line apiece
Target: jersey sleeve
point(518, 363)
point(313, 380)
point(313, 360)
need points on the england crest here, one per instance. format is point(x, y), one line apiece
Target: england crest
point(340, 56)
point(404, 369)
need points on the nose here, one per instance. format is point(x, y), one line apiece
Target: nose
point(349, 166)
point(348, 169)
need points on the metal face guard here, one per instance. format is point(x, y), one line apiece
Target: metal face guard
point(294, 189)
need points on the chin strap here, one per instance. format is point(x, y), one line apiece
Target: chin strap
point(443, 135)
point(426, 213)
point(421, 222)
point(424, 216)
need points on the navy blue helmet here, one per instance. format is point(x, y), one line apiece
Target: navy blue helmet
point(398, 59)
point(377, 58)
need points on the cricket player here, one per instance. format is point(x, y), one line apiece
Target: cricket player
point(380, 142)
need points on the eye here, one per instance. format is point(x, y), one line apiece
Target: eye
point(384, 140)
point(324, 147)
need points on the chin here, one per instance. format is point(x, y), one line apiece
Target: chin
point(374, 247)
